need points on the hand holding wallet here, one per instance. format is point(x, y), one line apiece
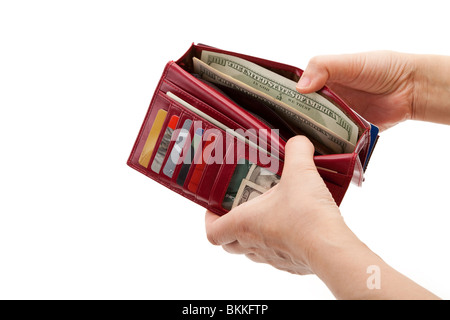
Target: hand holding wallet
point(218, 122)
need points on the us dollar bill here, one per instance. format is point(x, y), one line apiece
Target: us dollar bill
point(248, 190)
point(324, 140)
point(262, 177)
point(320, 119)
point(313, 105)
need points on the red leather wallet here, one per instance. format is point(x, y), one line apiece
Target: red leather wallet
point(188, 123)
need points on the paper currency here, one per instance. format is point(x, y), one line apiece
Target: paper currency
point(257, 181)
point(240, 173)
point(313, 105)
point(247, 191)
point(319, 135)
point(316, 116)
point(262, 177)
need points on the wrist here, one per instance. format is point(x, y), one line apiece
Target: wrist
point(352, 271)
point(320, 237)
point(431, 88)
point(420, 93)
point(337, 241)
point(341, 261)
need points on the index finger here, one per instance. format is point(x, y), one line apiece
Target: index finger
point(342, 68)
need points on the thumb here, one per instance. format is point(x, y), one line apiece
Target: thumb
point(331, 68)
point(299, 157)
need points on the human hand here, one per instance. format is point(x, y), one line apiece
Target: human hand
point(379, 85)
point(283, 226)
point(297, 227)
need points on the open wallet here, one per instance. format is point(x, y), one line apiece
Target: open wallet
point(218, 123)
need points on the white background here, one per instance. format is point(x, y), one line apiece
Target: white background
point(76, 78)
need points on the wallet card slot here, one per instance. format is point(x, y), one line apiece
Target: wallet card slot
point(340, 163)
point(191, 157)
point(152, 138)
point(203, 184)
point(182, 167)
point(159, 152)
point(164, 144)
point(334, 177)
point(178, 148)
point(206, 174)
point(147, 140)
point(240, 163)
point(203, 156)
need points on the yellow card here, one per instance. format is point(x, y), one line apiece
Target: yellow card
point(153, 135)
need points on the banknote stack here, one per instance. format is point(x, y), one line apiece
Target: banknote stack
point(327, 126)
point(257, 181)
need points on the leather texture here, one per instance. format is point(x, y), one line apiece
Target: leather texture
point(337, 170)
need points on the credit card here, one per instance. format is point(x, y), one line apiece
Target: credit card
point(199, 167)
point(190, 157)
point(152, 137)
point(177, 148)
point(164, 145)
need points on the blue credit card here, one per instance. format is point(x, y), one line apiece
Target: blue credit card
point(373, 140)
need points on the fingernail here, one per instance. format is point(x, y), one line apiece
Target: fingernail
point(304, 82)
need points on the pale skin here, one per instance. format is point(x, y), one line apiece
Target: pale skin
point(296, 226)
